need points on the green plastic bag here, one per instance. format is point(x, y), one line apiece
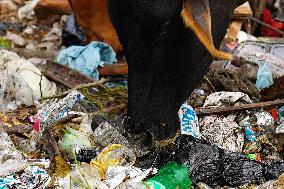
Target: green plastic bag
point(171, 176)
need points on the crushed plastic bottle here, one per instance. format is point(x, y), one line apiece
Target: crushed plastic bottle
point(171, 176)
point(113, 155)
point(106, 134)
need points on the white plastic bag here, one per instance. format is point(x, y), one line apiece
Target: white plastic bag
point(21, 82)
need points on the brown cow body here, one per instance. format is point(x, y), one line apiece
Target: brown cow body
point(93, 17)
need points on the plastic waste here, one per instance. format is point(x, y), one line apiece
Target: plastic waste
point(119, 175)
point(113, 155)
point(54, 112)
point(7, 149)
point(255, 157)
point(27, 11)
point(86, 59)
point(214, 166)
point(188, 121)
point(264, 76)
point(31, 177)
point(9, 167)
point(223, 132)
point(106, 134)
point(136, 185)
point(274, 60)
point(85, 155)
point(34, 177)
point(82, 176)
point(72, 140)
point(54, 33)
point(197, 98)
point(171, 176)
point(22, 82)
point(249, 132)
point(226, 99)
point(243, 36)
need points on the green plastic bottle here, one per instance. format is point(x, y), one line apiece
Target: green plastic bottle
point(171, 176)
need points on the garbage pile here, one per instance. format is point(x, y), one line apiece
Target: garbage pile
point(57, 136)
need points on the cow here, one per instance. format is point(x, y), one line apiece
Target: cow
point(169, 45)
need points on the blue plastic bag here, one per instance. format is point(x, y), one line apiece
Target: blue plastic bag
point(86, 59)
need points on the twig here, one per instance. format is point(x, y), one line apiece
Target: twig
point(209, 82)
point(102, 81)
point(230, 109)
point(267, 25)
point(109, 110)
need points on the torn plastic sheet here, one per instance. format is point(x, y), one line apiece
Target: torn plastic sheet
point(188, 121)
point(223, 132)
point(54, 112)
point(220, 99)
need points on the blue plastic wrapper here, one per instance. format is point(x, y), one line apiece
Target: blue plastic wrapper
point(86, 59)
point(264, 76)
point(188, 121)
point(250, 134)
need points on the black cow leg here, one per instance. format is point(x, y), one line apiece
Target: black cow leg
point(165, 60)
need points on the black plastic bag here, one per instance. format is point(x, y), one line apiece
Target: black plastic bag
point(214, 166)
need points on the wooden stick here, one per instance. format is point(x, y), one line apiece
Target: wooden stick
point(267, 25)
point(114, 69)
point(231, 109)
point(102, 81)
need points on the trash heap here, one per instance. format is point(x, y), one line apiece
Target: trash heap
point(56, 135)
